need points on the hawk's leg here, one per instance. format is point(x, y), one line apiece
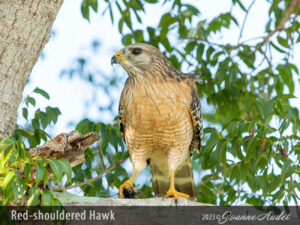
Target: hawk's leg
point(138, 166)
point(127, 184)
point(172, 192)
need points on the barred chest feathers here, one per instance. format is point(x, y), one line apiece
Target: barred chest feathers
point(157, 114)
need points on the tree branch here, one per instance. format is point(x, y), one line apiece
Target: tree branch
point(70, 146)
point(245, 19)
point(68, 199)
point(211, 178)
point(294, 5)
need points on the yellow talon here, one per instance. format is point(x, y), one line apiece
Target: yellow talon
point(127, 185)
point(173, 193)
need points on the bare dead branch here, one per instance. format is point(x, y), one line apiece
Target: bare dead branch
point(70, 146)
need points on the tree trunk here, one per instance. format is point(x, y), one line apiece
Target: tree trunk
point(25, 27)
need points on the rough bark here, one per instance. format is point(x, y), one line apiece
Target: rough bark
point(25, 27)
point(70, 146)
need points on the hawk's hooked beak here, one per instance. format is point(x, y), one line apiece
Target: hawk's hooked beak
point(117, 58)
point(114, 60)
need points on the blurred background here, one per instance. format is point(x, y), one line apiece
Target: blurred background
point(74, 69)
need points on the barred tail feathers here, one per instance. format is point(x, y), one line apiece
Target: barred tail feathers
point(184, 179)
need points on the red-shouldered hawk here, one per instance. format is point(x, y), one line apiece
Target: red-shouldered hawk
point(160, 119)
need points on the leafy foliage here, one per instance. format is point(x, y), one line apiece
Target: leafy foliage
point(18, 167)
point(251, 149)
point(251, 144)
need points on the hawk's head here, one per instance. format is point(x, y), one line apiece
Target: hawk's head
point(138, 57)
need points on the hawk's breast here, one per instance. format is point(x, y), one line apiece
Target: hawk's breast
point(156, 116)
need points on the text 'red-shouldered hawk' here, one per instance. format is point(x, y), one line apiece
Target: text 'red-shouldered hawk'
point(160, 119)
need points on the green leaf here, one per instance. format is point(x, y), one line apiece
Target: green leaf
point(152, 1)
point(39, 174)
point(15, 190)
point(34, 194)
point(200, 51)
point(42, 92)
point(25, 113)
point(121, 23)
point(114, 139)
point(231, 129)
point(104, 133)
point(46, 199)
point(136, 5)
point(285, 168)
point(276, 47)
point(85, 9)
point(5, 155)
point(283, 42)
point(250, 148)
point(94, 4)
point(211, 143)
point(127, 18)
point(27, 171)
point(221, 151)
point(56, 168)
point(138, 35)
point(30, 100)
point(111, 13)
point(247, 58)
point(285, 96)
point(8, 179)
point(287, 76)
point(8, 194)
point(110, 179)
point(45, 178)
point(127, 39)
point(56, 202)
point(52, 114)
point(293, 67)
point(241, 128)
point(66, 168)
point(35, 124)
point(241, 5)
point(21, 149)
point(297, 185)
point(166, 20)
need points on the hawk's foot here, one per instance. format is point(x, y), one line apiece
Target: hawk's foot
point(173, 193)
point(127, 190)
point(126, 185)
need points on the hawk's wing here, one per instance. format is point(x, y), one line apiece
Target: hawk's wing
point(195, 111)
point(121, 111)
point(121, 123)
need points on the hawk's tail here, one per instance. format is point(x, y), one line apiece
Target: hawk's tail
point(184, 180)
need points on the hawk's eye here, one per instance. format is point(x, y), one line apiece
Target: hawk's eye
point(136, 51)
